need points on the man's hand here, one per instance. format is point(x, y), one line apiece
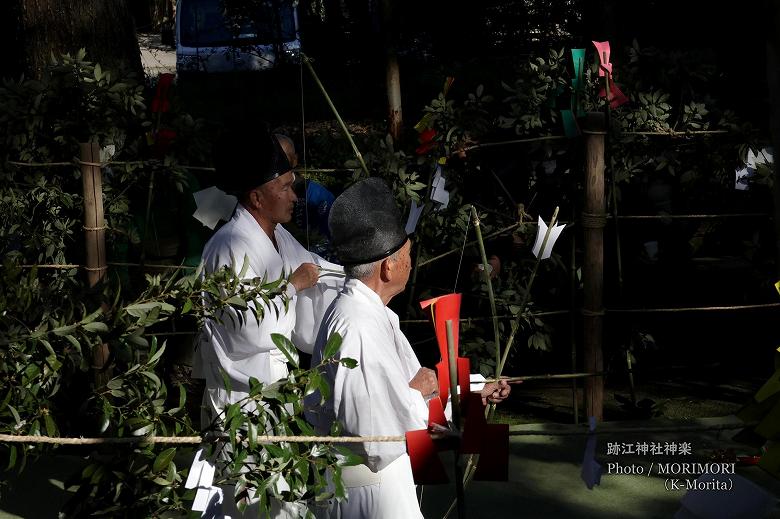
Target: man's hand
point(495, 392)
point(305, 276)
point(425, 382)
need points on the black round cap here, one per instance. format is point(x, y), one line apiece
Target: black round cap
point(247, 156)
point(365, 224)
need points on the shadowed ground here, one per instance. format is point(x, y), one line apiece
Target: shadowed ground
point(544, 477)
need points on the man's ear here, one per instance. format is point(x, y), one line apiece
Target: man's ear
point(255, 199)
point(386, 271)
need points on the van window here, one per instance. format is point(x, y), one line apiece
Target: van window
point(202, 24)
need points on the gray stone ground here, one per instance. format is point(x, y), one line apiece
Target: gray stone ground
point(156, 58)
point(544, 475)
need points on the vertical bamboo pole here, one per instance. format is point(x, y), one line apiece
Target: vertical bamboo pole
point(452, 357)
point(95, 239)
point(593, 222)
point(489, 285)
point(332, 106)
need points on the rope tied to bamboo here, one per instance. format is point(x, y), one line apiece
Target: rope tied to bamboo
point(94, 164)
point(593, 220)
point(96, 269)
point(593, 313)
point(94, 229)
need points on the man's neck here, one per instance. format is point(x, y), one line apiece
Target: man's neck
point(267, 225)
point(381, 289)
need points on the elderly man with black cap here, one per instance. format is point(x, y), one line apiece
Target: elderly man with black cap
point(251, 164)
point(387, 393)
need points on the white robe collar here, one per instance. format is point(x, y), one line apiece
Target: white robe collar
point(271, 255)
point(357, 288)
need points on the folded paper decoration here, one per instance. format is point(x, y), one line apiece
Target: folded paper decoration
point(616, 96)
point(438, 192)
point(441, 309)
point(744, 175)
point(490, 441)
point(426, 465)
point(208, 497)
point(212, 205)
point(578, 57)
point(577, 82)
point(570, 127)
point(414, 216)
point(602, 49)
point(555, 232)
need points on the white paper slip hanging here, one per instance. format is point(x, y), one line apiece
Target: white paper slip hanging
point(213, 205)
point(555, 232)
point(414, 217)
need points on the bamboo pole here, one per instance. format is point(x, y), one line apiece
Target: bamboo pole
point(593, 221)
point(95, 240)
point(147, 218)
point(336, 114)
point(489, 284)
point(556, 376)
point(471, 466)
point(452, 357)
point(526, 297)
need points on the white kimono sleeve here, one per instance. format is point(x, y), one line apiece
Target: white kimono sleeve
point(312, 302)
point(248, 335)
point(374, 399)
point(238, 339)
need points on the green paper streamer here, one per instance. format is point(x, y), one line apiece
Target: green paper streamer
point(578, 58)
point(570, 127)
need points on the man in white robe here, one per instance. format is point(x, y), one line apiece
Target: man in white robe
point(387, 393)
point(263, 181)
point(264, 184)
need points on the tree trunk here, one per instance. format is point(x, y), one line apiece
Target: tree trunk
point(394, 113)
point(33, 30)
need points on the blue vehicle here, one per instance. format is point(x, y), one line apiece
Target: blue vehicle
point(210, 37)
